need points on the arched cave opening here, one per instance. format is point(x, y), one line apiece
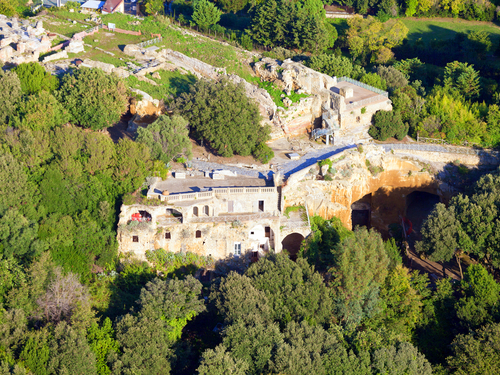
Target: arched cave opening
point(361, 212)
point(291, 243)
point(419, 205)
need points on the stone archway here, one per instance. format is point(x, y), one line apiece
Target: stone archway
point(361, 212)
point(291, 243)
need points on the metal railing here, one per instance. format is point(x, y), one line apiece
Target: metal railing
point(149, 42)
point(363, 85)
point(440, 141)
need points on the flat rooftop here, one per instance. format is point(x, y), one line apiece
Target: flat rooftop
point(359, 93)
point(193, 184)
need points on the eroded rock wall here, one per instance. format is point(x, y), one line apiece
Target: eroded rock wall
point(392, 178)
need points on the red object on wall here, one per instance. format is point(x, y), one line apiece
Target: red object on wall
point(136, 217)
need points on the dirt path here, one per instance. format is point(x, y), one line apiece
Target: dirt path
point(425, 265)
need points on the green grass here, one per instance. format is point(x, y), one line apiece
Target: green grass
point(206, 50)
point(429, 29)
point(171, 83)
point(66, 14)
point(276, 93)
point(63, 27)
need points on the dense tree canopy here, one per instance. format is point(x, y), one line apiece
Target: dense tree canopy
point(166, 138)
point(221, 114)
point(93, 98)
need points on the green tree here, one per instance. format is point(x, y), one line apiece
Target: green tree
point(10, 93)
point(440, 235)
point(360, 268)
point(221, 362)
point(368, 36)
point(70, 353)
point(477, 353)
point(253, 342)
point(373, 79)
point(173, 301)
point(166, 138)
point(222, 114)
point(34, 78)
point(393, 77)
point(42, 112)
point(102, 343)
point(145, 346)
point(401, 359)
point(13, 192)
point(482, 294)
point(155, 7)
point(237, 299)
point(463, 78)
point(93, 98)
point(339, 66)
point(387, 124)
point(6, 8)
point(233, 5)
point(18, 236)
point(205, 14)
point(294, 291)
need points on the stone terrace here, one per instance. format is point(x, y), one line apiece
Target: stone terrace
point(360, 95)
point(197, 183)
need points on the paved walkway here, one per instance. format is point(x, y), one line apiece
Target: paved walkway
point(311, 158)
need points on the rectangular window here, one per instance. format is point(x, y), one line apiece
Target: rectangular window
point(198, 234)
point(237, 248)
point(268, 232)
point(230, 206)
point(167, 236)
point(135, 238)
point(261, 206)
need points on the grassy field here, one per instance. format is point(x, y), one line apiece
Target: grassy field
point(442, 29)
point(170, 83)
point(66, 28)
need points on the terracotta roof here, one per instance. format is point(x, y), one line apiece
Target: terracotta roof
point(111, 5)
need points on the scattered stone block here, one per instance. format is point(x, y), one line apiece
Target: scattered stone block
point(56, 56)
point(293, 156)
point(180, 175)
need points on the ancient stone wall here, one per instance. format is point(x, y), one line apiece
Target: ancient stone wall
point(214, 238)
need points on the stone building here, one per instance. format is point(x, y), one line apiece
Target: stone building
point(219, 215)
point(341, 106)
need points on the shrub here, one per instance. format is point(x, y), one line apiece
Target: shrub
point(93, 98)
point(222, 114)
point(263, 153)
point(388, 124)
point(34, 78)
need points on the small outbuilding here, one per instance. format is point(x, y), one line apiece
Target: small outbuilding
point(92, 5)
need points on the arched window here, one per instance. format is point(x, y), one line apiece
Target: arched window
point(198, 234)
point(206, 210)
point(195, 211)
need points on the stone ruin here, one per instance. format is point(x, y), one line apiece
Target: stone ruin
point(158, 59)
point(21, 41)
point(340, 109)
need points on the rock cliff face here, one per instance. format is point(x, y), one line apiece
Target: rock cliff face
point(384, 188)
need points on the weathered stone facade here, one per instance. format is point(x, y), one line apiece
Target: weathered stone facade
point(221, 222)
